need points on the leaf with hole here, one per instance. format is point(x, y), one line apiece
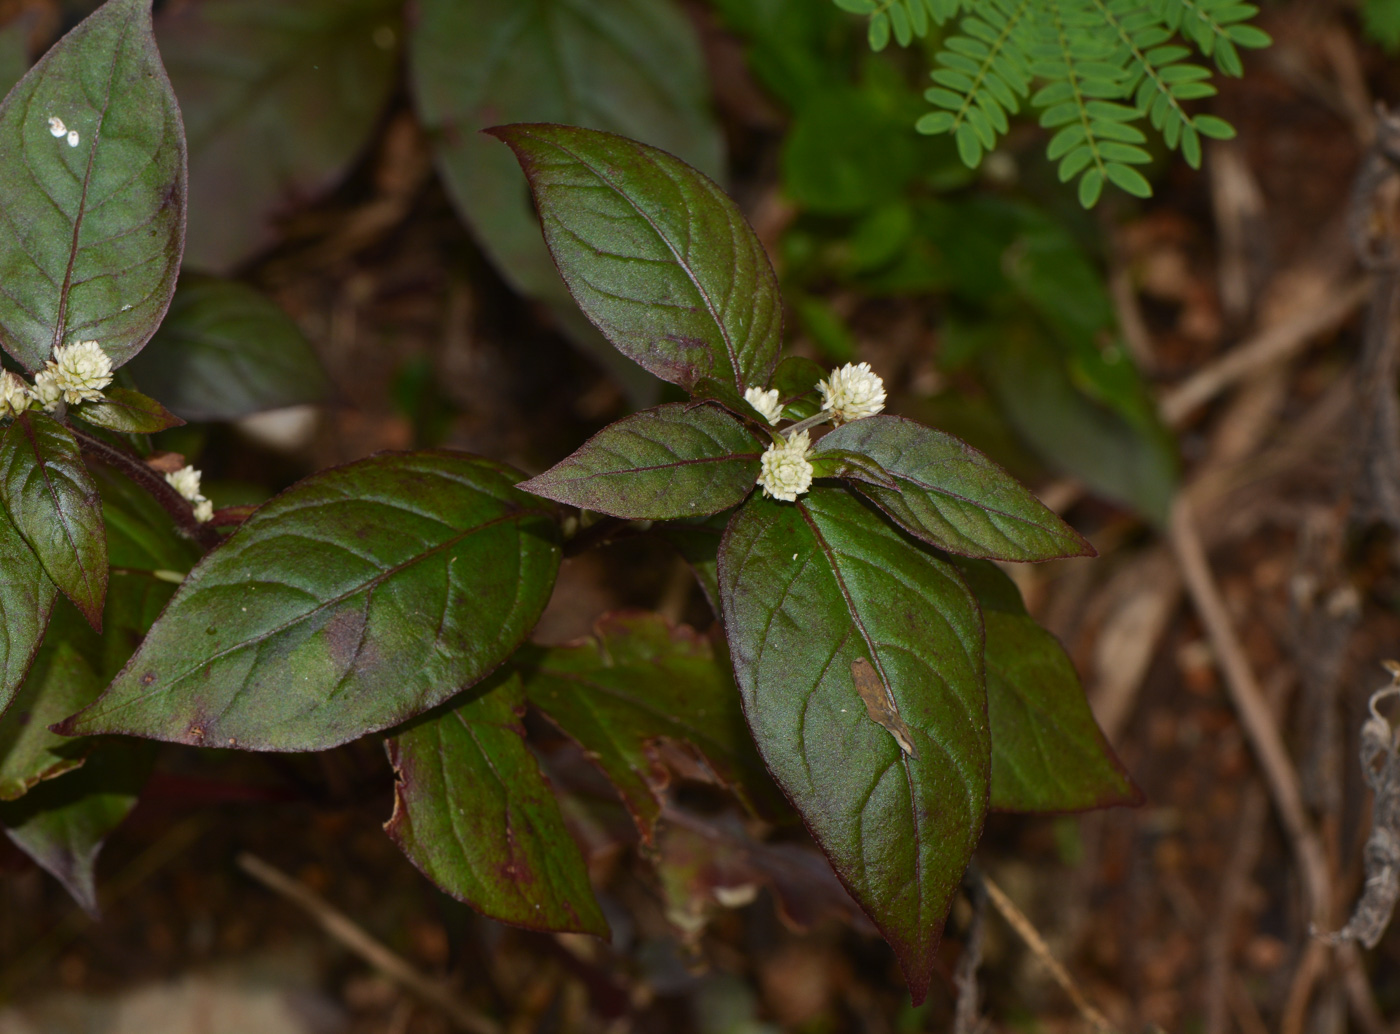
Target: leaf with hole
point(54, 504)
point(655, 254)
point(808, 589)
point(356, 600)
point(92, 192)
point(950, 495)
point(473, 811)
point(638, 680)
point(677, 460)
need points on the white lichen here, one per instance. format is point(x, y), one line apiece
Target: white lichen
point(852, 393)
point(766, 402)
point(784, 470)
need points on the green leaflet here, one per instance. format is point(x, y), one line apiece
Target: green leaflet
point(127, 412)
point(655, 254)
point(474, 813)
point(62, 823)
point(1048, 754)
point(357, 599)
point(952, 496)
point(278, 99)
point(812, 591)
point(92, 232)
point(225, 351)
point(636, 680)
point(54, 505)
point(678, 460)
point(27, 596)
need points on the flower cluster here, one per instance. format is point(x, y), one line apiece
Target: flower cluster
point(77, 373)
point(852, 392)
point(186, 482)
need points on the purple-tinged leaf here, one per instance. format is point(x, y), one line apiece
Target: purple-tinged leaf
point(655, 254)
point(59, 683)
point(55, 506)
point(796, 380)
point(226, 351)
point(62, 823)
point(809, 590)
point(635, 681)
point(952, 496)
point(278, 99)
point(127, 412)
point(92, 192)
point(1048, 753)
point(27, 597)
point(473, 811)
point(355, 600)
point(677, 460)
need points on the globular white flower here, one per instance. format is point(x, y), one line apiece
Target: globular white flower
point(852, 392)
point(56, 126)
point(766, 402)
point(784, 470)
point(203, 511)
point(46, 391)
point(14, 395)
point(186, 482)
point(81, 370)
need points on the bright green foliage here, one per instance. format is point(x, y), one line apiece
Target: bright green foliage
point(1098, 68)
point(1381, 20)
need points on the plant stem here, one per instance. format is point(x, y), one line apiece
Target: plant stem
point(170, 500)
point(803, 425)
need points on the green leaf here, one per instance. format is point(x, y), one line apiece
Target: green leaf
point(225, 351)
point(14, 52)
point(819, 596)
point(697, 541)
point(952, 496)
point(796, 380)
point(655, 254)
point(61, 824)
point(93, 232)
point(127, 412)
point(54, 504)
point(851, 466)
point(59, 683)
point(633, 67)
point(1125, 177)
point(636, 681)
point(27, 597)
point(678, 460)
point(847, 151)
point(357, 599)
point(278, 98)
point(474, 813)
point(1048, 753)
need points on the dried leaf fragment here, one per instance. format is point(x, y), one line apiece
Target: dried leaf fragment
point(879, 705)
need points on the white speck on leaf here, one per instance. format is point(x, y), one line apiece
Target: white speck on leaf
point(73, 138)
point(56, 126)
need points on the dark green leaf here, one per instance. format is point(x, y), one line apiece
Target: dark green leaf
point(655, 254)
point(852, 466)
point(698, 544)
point(14, 52)
point(27, 596)
point(815, 592)
point(92, 232)
point(796, 380)
point(225, 351)
point(474, 813)
point(141, 536)
point(847, 152)
point(677, 460)
point(636, 681)
point(59, 683)
point(127, 412)
point(52, 501)
point(632, 67)
point(62, 823)
point(952, 496)
point(1048, 754)
point(355, 600)
point(278, 99)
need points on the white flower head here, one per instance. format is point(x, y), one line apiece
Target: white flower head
point(56, 126)
point(14, 395)
point(852, 392)
point(186, 482)
point(46, 391)
point(784, 470)
point(203, 511)
point(766, 402)
point(81, 371)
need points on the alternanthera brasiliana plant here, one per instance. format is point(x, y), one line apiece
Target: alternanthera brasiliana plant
point(890, 680)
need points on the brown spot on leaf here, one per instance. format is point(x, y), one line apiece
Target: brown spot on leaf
point(879, 704)
point(148, 678)
point(344, 633)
